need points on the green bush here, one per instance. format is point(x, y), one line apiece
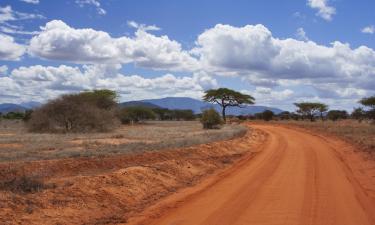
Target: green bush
point(14, 115)
point(267, 115)
point(135, 114)
point(337, 114)
point(211, 119)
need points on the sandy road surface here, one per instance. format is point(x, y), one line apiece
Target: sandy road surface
point(296, 179)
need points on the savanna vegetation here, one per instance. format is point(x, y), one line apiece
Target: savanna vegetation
point(227, 98)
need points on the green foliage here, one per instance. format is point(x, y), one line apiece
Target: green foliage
point(358, 114)
point(14, 116)
point(310, 109)
point(135, 114)
point(227, 98)
point(322, 108)
point(337, 115)
point(103, 99)
point(179, 114)
point(267, 115)
point(284, 115)
point(176, 114)
point(210, 119)
point(370, 103)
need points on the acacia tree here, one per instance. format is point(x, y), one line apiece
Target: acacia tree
point(369, 103)
point(322, 108)
point(87, 111)
point(358, 114)
point(227, 98)
point(310, 109)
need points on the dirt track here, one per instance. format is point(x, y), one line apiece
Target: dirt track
point(298, 178)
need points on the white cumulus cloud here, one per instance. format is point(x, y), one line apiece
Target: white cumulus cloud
point(58, 41)
point(40, 83)
point(253, 53)
point(324, 10)
point(368, 30)
point(9, 49)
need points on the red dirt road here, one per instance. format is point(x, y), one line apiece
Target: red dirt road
point(297, 178)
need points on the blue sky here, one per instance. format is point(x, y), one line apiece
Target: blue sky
point(278, 51)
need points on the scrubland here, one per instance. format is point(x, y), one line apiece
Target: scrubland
point(362, 134)
point(18, 144)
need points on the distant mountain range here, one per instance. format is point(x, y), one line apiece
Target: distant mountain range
point(10, 107)
point(197, 106)
point(170, 103)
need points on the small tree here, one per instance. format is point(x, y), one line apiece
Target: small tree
point(135, 114)
point(210, 119)
point(322, 108)
point(82, 112)
point(227, 98)
point(310, 109)
point(358, 114)
point(370, 104)
point(267, 115)
point(337, 114)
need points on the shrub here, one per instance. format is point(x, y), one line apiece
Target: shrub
point(267, 115)
point(181, 114)
point(358, 114)
point(176, 114)
point(211, 119)
point(285, 115)
point(135, 114)
point(23, 184)
point(14, 115)
point(337, 114)
point(83, 112)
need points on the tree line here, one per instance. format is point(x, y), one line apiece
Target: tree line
point(98, 110)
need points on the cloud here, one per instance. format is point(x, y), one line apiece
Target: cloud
point(3, 70)
point(8, 14)
point(142, 26)
point(40, 83)
point(368, 30)
point(31, 1)
point(9, 49)
point(324, 10)
point(12, 29)
point(95, 3)
point(254, 54)
point(301, 34)
point(283, 69)
point(58, 41)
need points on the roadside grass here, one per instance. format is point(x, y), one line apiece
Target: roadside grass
point(361, 134)
point(17, 144)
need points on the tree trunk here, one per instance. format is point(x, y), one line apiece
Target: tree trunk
point(223, 113)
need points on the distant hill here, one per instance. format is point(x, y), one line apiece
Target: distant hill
point(139, 103)
point(31, 105)
point(9, 107)
point(198, 106)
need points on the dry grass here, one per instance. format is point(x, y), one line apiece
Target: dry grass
point(362, 134)
point(17, 144)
